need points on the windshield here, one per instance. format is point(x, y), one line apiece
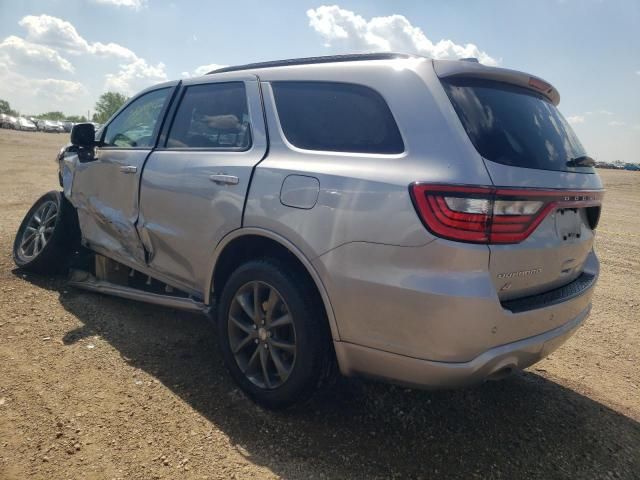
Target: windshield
point(514, 126)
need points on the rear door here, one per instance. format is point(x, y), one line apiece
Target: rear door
point(530, 150)
point(194, 185)
point(105, 188)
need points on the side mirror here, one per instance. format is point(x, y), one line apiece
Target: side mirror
point(83, 135)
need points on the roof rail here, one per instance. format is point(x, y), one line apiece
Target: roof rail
point(313, 60)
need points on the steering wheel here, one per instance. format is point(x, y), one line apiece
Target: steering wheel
point(121, 137)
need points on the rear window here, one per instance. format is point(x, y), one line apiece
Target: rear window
point(514, 126)
point(336, 117)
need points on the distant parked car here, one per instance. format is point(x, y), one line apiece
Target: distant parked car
point(634, 167)
point(8, 121)
point(67, 126)
point(50, 126)
point(26, 124)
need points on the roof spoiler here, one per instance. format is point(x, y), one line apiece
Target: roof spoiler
point(470, 69)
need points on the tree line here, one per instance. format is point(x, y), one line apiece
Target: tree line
point(108, 103)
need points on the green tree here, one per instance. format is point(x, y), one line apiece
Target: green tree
point(107, 105)
point(77, 118)
point(51, 116)
point(6, 108)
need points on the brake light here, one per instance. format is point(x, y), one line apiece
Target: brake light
point(539, 84)
point(491, 214)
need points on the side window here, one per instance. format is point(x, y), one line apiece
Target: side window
point(212, 116)
point(134, 126)
point(337, 117)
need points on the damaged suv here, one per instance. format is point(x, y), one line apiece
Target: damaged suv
point(424, 222)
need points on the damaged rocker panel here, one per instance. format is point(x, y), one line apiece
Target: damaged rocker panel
point(113, 278)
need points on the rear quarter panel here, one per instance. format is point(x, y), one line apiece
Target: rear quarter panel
point(363, 197)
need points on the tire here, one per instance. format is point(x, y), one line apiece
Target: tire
point(56, 222)
point(300, 372)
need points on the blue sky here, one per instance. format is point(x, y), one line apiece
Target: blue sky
point(61, 54)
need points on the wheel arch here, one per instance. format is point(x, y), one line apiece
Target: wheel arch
point(225, 259)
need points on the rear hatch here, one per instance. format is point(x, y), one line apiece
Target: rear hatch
point(545, 203)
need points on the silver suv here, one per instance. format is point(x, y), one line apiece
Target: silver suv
point(424, 222)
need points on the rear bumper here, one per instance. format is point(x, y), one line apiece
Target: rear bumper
point(438, 302)
point(370, 362)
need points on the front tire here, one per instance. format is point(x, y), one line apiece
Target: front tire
point(273, 333)
point(47, 236)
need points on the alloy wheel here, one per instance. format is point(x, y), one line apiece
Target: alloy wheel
point(262, 334)
point(38, 231)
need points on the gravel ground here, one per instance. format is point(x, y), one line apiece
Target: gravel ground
point(98, 387)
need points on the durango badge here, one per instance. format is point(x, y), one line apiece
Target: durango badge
point(521, 273)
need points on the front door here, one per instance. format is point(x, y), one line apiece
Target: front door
point(194, 186)
point(105, 190)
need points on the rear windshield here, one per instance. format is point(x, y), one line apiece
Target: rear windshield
point(514, 126)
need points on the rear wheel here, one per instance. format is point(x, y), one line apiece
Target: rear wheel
point(47, 235)
point(273, 333)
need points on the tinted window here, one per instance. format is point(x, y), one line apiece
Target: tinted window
point(214, 115)
point(514, 126)
point(337, 117)
point(135, 125)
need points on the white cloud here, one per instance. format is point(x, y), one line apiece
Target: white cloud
point(135, 4)
point(112, 50)
point(37, 95)
point(60, 34)
point(53, 32)
point(19, 54)
point(597, 114)
point(575, 119)
point(134, 73)
point(204, 69)
point(615, 123)
point(135, 76)
point(346, 31)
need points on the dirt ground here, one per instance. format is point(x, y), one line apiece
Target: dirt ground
point(99, 387)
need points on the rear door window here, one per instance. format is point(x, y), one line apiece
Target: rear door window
point(212, 116)
point(514, 126)
point(336, 117)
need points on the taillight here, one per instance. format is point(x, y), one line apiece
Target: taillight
point(491, 214)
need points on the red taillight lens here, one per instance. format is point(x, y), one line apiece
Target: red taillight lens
point(490, 214)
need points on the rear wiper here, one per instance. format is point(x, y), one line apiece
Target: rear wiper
point(581, 161)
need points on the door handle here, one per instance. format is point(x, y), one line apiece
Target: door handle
point(222, 179)
point(128, 169)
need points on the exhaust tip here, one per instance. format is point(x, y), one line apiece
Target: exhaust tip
point(501, 373)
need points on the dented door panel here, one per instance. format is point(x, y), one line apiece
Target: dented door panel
point(107, 201)
point(103, 182)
